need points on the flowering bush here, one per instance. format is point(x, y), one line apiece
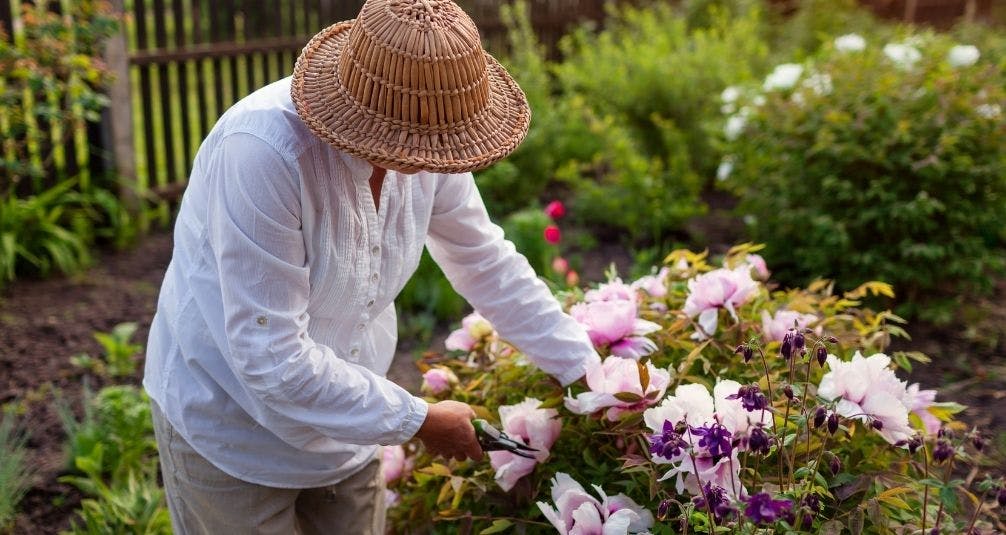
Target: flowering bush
point(875, 160)
point(733, 427)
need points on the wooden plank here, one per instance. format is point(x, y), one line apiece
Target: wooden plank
point(219, 50)
point(184, 75)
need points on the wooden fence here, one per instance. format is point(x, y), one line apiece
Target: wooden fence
point(182, 63)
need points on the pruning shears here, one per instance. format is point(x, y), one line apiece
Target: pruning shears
point(492, 439)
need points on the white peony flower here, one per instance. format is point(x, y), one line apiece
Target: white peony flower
point(868, 390)
point(783, 77)
point(903, 55)
point(850, 42)
point(734, 127)
point(725, 169)
point(989, 111)
point(963, 56)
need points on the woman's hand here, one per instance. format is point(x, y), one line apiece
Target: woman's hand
point(448, 431)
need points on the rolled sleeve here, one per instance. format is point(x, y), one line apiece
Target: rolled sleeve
point(254, 229)
point(499, 282)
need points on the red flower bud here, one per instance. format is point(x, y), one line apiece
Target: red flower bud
point(555, 210)
point(552, 234)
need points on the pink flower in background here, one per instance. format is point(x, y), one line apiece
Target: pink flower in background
point(572, 278)
point(757, 263)
point(555, 210)
point(613, 324)
point(552, 234)
point(473, 328)
point(535, 427)
point(560, 265)
point(919, 401)
point(721, 288)
point(616, 378)
point(867, 390)
point(774, 328)
point(390, 498)
point(393, 463)
point(654, 285)
point(615, 290)
point(438, 380)
point(578, 513)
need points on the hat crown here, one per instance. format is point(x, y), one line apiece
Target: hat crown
point(416, 62)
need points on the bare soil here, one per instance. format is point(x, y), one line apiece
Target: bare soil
point(44, 322)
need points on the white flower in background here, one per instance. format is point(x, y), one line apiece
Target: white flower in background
point(735, 126)
point(903, 55)
point(820, 83)
point(726, 167)
point(989, 111)
point(850, 42)
point(963, 56)
point(783, 77)
point(868, 390)
point(729, 98)
point(758, 101)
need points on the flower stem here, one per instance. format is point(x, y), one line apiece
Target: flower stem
point(775, 428)
point(974, 517)
point(946, 478)
point(702, 489)
point(925, 486)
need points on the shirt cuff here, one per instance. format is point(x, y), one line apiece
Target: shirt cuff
point(413, 420)
point(572, 374)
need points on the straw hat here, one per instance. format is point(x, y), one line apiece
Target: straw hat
point(407, 85)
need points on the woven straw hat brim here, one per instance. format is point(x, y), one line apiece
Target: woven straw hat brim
point(335, 116)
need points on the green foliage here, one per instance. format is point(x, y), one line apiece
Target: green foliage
point(114, 438)
point(526, 229)
point(617, 128)
point(15, 474)
point(133, 507)
point(865, 482)
point(870, 170)
point(117, 359)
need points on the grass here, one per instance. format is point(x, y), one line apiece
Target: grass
point(15, 474)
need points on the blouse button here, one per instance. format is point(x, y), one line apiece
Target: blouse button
point(374, 277)
point(262, 320)
point(370, 303)
point(376, 249)
point(354, 352)
point(361, 326)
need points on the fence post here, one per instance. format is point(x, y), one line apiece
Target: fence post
point(121, 113)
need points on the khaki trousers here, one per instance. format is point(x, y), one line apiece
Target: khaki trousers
point(204, 500)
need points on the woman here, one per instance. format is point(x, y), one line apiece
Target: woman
point(307, 211)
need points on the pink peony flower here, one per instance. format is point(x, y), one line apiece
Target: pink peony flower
point(473, 329)
point(613, 324)
point(653, 284)
point(394, 463)
point(615, 290)
point(535, 427)
point(616, 378)
point(438, 380)
point(578, 513)
point(552, 234)
point(775, 328)
point(560, 265)
point(919, 401)
point(868, 390)
point(721, 288)
point(555, 210)
point(757, 263)
point(724, 472)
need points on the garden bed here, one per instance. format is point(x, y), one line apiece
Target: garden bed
point(44, 323)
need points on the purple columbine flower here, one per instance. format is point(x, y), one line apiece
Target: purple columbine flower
point(835, 465)
point(663, 508)
point(832, 423)
point(943, 451)
point(715, 439)
point(799, 341)
point(819, 415)
point(822, 355)
point(787, 346)
point(759, 441)
point(1001, 498)
point(668, 444)
point(751, 398)
point(762, 509)
point(718, 503)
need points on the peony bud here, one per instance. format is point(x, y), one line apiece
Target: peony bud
point(572, 278)
point(552, 234)
point(555, 210)
point(560, 265)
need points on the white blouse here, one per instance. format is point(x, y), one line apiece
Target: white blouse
point(276, 322)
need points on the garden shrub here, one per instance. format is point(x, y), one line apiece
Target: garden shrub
point(15, 473)
point(783, 399)
point(874, 160)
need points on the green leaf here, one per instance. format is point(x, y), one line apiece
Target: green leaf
point(499, 526)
